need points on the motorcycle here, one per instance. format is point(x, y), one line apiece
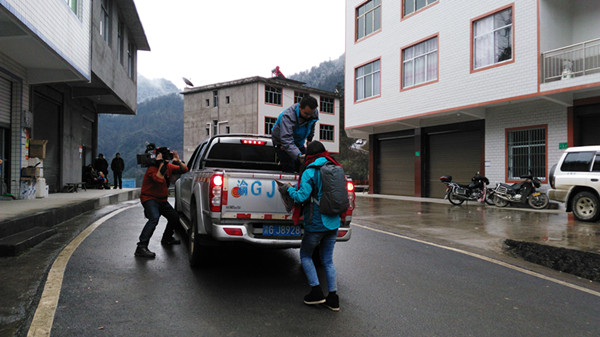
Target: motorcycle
point(523, 192)
point(475, 191)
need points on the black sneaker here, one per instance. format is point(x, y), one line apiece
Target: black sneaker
point(170, 241)
point(332, 302)
point(144, 252)
point(315, 296)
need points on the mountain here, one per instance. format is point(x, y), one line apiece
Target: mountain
point(159, 120)
point(325, 76)
point(151, 88)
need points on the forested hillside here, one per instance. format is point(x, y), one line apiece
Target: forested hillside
point(325, 76)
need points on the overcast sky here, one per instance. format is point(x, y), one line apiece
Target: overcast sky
point(223, 40)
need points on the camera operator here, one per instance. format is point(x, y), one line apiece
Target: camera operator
point(155, 190)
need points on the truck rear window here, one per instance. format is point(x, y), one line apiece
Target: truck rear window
point(577, 162)
point(230, 155)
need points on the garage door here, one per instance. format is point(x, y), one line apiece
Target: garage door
point(457, 154)
point(5, 95)
point(396, 167)
point(588, 121)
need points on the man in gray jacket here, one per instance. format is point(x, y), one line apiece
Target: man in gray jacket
point(294, 126)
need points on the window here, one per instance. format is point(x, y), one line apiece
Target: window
point(215, 98)
point(73, 5)
point(227, 130)
point(120, 28)
point(298, 96)
point(577, 162)
point(326, 105)
point(420, 63)
point(411, 6)
point(269, 122)
point(227, 100)
point(526, 150)
point(326, 132)
point(272, 95)
point(492, 39)
point(215, 127)
point(368, 80)
point(105, 20)
point(130, 59)
point(368, 18)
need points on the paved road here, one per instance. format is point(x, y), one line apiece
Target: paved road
point(388, 286)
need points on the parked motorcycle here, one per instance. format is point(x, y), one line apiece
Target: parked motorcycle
point(458, 193)
point(523, 192)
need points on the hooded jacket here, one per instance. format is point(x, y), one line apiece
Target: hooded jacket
point(311, 179)
point(291, 130)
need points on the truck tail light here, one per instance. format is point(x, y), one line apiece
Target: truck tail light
point(233, 231)
point(215, 192)
point(253, 142)
point(341, 233)
point(351, 195)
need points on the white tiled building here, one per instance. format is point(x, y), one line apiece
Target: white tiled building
point(455, 87)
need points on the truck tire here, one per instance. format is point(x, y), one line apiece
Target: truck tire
point(198, 254)
point(585, 206)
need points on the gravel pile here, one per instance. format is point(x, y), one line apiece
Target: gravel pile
point(583, 264)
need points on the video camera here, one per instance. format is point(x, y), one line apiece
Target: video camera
point(148, 158)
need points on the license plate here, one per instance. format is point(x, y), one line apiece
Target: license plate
point(281, 230)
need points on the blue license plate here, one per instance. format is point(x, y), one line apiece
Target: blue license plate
point(281, 230)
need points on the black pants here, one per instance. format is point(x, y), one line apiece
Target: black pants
point(118, 179)
point(287, 163)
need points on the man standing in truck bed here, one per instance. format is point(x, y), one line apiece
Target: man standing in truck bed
point(294, 126)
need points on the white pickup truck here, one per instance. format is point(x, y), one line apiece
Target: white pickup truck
point(230, 196)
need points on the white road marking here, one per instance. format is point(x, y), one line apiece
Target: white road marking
point(487, 259)
point(44, 314)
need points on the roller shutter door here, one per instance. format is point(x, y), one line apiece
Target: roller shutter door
point(457, 154)
point(5, 95)
point(395, 167)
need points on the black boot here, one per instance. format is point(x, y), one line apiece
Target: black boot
point(315, 296)
point(169, 241)
point(332, 302)
point(144, 252)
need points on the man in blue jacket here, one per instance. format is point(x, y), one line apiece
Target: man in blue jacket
point(319, 229)
point(294, 126)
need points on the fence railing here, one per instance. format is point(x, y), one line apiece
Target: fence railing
point(576, 60)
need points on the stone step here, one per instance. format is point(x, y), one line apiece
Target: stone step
point(14, 244)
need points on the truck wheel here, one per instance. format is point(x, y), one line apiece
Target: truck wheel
point(197, 253)
point(585, 206)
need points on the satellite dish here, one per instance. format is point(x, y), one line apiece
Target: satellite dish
point(188, 82)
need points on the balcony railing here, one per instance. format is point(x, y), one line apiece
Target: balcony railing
point(576, 60)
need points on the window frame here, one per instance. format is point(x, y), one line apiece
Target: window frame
point(131, 60)
point(321, 125)
point(509, 158)
point(120, 40)
point(357, 16)
point(299, 95)
point(106, 20)
point(402, 61)
point(356, 99)
point(415, 11)
point(512, 39)
point(275, 94)
point(323, 103)
point(267, 131)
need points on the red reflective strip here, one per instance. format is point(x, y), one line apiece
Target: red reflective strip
point(243, 216)
point(268, 216)
point(341, 233)
point(233, 231)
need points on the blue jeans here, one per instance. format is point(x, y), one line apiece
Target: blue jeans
point(153, 209)
point(327, 242)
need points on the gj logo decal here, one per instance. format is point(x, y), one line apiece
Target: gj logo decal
point(240, 190)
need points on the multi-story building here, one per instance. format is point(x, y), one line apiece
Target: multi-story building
point(252, 105)
point(63, 62)
point(455, 87)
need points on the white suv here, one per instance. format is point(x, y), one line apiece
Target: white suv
point(575, 180)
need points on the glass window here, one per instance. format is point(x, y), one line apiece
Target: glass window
point(368, 18)
point(596, 167)
point(105, 20)
point(326, 132)
point(215, 98)
point(419, 63)
point(578, 162)
point(272, 95)
point(368, 80)
point(269, 123)
point(411, 6)
point(327, 104)
point(130, 59)
point(120, 29)
point(492, 39)
point(298, 96)
point(526, 152)
point(74, 5)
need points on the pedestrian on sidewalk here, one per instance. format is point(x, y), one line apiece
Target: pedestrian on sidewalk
point(294, 126)
point(154, 194)
point(101, 165)
point(319, 229)
point(117, 165)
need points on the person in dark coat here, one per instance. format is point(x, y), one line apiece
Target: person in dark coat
point(101, 165)
point(117, 165)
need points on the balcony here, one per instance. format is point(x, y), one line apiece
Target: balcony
point(576, 60)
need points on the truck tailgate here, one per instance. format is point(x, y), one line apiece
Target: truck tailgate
point(254, 196)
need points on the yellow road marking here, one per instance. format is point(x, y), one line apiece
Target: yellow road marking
point(488, 259)
point(44, 314)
